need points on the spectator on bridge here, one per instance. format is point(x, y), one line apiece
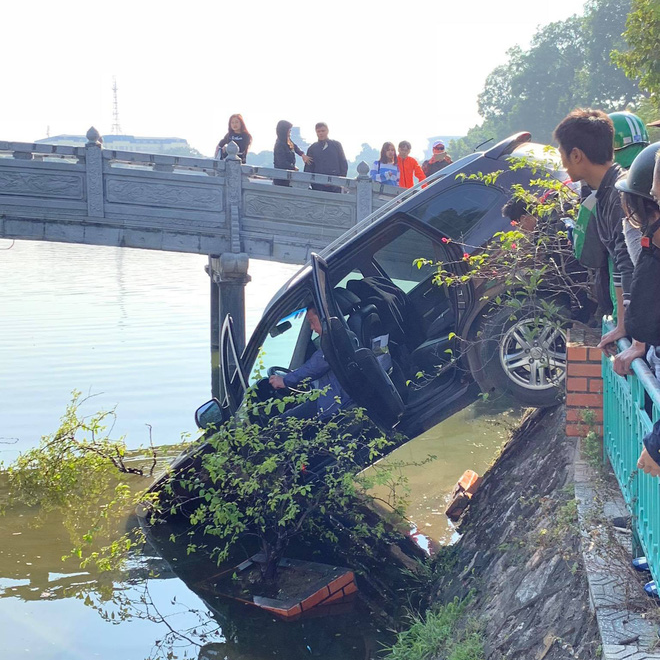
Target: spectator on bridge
point(385, 170)
point(326, 157)
point(439, 160)
point(586, 146)
point(408, 166)
point(285, 150)
point(236, 132)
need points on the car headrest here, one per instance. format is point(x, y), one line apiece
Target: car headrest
point(348, 302)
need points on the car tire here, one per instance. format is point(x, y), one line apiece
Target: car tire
point(524, 355)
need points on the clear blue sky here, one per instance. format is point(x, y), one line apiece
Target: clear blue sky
point(374, 71)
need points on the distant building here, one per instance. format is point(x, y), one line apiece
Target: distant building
point(149, 145)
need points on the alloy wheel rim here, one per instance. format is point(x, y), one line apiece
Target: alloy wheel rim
point(533, 356)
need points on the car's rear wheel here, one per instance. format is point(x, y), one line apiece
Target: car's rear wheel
point(523, 353)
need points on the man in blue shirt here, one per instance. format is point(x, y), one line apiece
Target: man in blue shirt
point(317, 371)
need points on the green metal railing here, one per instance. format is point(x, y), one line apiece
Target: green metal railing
point(630, 406)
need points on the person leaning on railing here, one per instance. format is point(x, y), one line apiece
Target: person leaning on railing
point(586, 146)
point(640, 196)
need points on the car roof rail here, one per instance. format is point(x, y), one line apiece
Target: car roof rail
point(508, 146)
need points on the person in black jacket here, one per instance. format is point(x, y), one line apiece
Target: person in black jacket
point(236, 132)
point(285, 150)
point(586, 146)
point(326, 157)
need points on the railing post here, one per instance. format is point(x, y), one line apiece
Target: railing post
point(233, 196)
point(364, 192)
point(94, 173)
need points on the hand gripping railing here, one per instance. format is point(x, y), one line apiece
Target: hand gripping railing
point(630, 406)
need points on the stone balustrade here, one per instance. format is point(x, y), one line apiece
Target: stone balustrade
point(99, 196)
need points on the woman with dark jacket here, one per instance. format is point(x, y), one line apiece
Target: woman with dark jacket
point(236, 132)
point(284, 153)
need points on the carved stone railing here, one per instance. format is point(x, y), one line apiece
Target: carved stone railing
point(100, 196)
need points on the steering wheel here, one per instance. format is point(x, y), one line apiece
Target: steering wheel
point(277, 371)
point(265, 390)
point(282, 371)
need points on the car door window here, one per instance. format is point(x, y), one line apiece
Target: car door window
point(403, 245)
point(455, 212)
point(280, 344)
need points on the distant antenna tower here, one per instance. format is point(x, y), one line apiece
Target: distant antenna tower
point(116, 127)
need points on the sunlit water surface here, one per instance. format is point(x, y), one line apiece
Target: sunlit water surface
point(130, 329)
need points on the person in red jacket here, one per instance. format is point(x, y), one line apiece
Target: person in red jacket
point(408, 166)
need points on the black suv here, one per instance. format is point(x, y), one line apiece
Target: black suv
point(369, 293)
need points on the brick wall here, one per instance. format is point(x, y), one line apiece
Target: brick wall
point(584, 383)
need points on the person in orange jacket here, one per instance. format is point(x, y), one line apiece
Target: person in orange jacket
point(408, 166)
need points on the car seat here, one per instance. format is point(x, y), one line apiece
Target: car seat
point(396, 311)
point(412, 348)
point(364, 321)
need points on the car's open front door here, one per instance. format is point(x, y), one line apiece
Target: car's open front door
point(356, 368)
point(234, 379)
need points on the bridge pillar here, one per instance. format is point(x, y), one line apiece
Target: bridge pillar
point(229, 275)
point(364, 192)
point(234, 192)
point(94, 173)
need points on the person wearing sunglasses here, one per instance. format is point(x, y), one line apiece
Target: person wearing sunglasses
point(438, 161)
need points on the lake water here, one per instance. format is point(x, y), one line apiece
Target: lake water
point(130, 329)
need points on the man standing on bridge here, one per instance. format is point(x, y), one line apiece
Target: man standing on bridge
point(327, 157)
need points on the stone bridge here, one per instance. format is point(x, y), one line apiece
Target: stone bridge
point(99, 196)
point(220, 208)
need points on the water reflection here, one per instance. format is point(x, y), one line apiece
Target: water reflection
point(468, 439)
point(132, 327)
point(250, 633)
point(52, 609)
point(129, 326)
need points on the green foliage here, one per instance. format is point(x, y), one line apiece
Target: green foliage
point(567, 65)
point(528, 270)
point(274, 478)
point(531, 264)
point(592, 443)
point(488, 179)
point(443, 633)
point(88, 479)
point(640, 60)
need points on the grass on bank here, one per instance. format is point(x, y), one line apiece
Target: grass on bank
point(444, 632)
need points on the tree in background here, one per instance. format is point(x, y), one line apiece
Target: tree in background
point(368, 154)
point(641, 61)
point(567, 65)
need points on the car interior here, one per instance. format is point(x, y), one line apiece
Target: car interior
point(391, 306)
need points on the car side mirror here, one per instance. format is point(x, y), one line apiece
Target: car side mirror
point(209, 414)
